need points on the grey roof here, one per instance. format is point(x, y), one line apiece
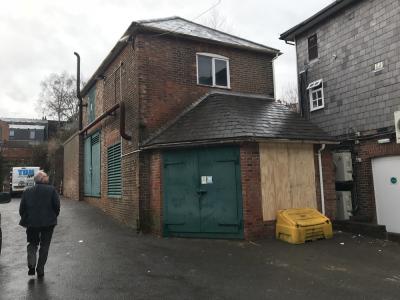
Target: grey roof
point(23, 120)
point(320, 16)
point(228, 116)
point(177, 26)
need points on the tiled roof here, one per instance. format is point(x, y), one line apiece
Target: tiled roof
point(224, 116)
point(182, 26)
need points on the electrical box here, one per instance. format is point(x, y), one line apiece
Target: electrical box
point(344, 166)
point(344, 205)
point(397, 125)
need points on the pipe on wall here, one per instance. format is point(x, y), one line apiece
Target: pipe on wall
point(78, 87)
point(321, 179)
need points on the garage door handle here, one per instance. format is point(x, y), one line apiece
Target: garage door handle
point(229, 225)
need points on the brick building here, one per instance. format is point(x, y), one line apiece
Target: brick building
point(348, 61)
point(180, 132)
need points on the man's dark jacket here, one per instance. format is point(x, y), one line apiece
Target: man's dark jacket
point(39, 207)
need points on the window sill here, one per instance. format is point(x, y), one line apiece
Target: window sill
point(317, 108)
point(215, 86)
point(313, 61)
point(115, 196)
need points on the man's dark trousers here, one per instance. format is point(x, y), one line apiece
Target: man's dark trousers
point(38, 236)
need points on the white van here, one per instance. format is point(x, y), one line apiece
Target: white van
point(22, 178)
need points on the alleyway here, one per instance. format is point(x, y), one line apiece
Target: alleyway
point(92, 257)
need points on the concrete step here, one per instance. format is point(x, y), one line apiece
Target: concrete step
point(368, 229)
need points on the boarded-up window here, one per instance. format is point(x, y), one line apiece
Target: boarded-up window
point(287, 177)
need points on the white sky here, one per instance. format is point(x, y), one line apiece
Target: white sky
point(38, 37)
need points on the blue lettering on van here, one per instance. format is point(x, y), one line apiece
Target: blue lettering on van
point(26, 172)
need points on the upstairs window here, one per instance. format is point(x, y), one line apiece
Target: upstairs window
point(91, 105)
point(213, 70)
point(312, 47)
point(32, 134)
point(11, 132)
point(316, 95)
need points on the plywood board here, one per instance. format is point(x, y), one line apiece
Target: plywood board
point(302, 175)
point(287, 177)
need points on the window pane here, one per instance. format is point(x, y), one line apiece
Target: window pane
point(314, 96)
point(205, 70)
point(320, 102)
point(32, 135)
point(312, 47)
point(319, 94)
point(221, 73)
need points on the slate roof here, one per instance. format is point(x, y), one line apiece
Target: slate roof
point(228, 116)
point(181, 26)
point(177, 26)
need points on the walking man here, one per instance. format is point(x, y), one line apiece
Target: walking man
point(39, 209)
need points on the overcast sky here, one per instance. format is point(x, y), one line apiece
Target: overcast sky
point(38, 37)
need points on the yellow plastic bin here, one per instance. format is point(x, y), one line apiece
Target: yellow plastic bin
point(298, 225)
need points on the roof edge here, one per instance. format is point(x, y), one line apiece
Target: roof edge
point(237, 140)
point(318, 17)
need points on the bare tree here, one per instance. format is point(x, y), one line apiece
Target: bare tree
point(290, 96)
point(58, 97)
point(216, 20)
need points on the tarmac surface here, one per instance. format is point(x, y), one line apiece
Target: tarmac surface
point(93, 257)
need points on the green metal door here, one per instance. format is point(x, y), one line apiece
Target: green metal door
point(202, 193)
point(220, 190)
point(181, 200)
point(96, 164)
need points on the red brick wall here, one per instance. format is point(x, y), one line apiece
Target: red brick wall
point(168, 76)
point(4, 132)
point(71, 185)
point(125, 209)
point(366, 151)
point(328, 172)
point(254, 226)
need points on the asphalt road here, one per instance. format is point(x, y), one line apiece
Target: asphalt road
point(93, 257)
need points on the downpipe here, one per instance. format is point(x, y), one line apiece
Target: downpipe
point(321, 179)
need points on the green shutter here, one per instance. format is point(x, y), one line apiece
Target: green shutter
point(114, 170)
point(96, 164)
point(87, 175)
point(91, 104)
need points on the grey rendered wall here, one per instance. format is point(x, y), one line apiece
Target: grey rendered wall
point(356, 98)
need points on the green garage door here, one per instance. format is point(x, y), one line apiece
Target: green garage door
point(202, 193)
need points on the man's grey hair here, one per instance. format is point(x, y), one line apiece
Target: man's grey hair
point(39, 177)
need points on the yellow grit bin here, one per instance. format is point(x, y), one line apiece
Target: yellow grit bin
point(298, 225)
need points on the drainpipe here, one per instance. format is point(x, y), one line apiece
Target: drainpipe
point(78, 88)
point(321, 179)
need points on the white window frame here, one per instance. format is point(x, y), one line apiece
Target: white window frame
point(313, 88)
point(32, 134)
point(213, 58)
point(11, 133)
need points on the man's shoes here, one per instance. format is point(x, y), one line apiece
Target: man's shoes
point(40, 274)
point(31, 272)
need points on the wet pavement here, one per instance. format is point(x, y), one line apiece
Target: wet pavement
point(93, 257)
